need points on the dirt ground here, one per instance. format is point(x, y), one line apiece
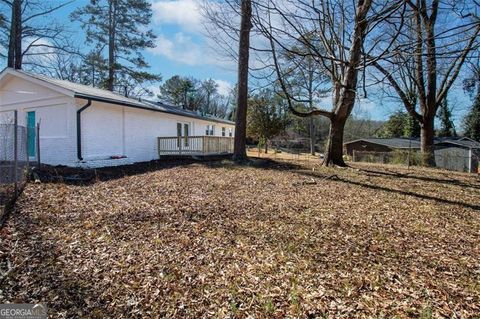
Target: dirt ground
point(270, 239)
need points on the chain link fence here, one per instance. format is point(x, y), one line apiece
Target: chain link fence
point(467, 162)
point(13, 164)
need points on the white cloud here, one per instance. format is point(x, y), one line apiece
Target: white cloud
point(184, 13)
point(185, 40)
point(224, 87)
point(181, 48)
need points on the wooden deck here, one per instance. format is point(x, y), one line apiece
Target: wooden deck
point(195, 145)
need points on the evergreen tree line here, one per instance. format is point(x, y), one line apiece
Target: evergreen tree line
point(196, 95)
point(116, 33)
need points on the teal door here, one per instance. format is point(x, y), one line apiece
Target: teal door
point(32, 132)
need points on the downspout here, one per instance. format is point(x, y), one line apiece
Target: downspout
point(79, 128)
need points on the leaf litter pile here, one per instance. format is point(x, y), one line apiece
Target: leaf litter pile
point(259, 241)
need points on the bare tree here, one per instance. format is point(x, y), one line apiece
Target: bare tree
point(239, 152)
point(307, 81)
point(427, 58)
point(335, 33)
point(27, 26)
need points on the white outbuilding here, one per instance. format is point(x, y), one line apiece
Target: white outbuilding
point(90, 127)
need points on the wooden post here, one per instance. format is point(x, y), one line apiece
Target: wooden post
point(353, 156)
point(180, 145)
point(15, 150)
point(38, 145)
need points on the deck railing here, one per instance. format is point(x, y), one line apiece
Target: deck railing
point(195, 145)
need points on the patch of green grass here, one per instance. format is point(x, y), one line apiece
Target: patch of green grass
point(234, 306)
point(269, 306)
point(427, 313)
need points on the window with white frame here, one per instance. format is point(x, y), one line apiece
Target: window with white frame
point(230, 132)
point(183, 134)
point(210, 130)
point(224, 131)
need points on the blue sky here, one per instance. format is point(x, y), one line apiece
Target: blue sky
point(182, 48)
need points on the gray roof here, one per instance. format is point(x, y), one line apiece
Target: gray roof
point(89, 92)
point(391, 142)
point(468, 143)
point(400, 143)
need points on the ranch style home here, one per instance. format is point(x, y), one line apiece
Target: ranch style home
point(89, 127)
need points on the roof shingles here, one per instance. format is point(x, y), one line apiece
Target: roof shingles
point(400, 143)
point(84, 91)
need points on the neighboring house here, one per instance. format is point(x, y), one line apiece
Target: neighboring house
point(457, 154)
point(453, 153)
point(85, 126)
point(380, 145)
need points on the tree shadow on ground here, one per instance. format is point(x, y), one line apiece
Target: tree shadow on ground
point(86, 177)
point(255, 162)
point(418, 177)
point(89, 176)
point(336, 178)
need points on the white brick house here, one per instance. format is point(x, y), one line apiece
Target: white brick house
point(86, 126)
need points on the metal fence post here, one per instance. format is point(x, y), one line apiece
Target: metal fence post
point(470, 160)
point(409, 151)
point(15, 151)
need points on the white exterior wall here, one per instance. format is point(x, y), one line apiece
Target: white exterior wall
point(54, 111)
point(113, 130)
point(107, 129)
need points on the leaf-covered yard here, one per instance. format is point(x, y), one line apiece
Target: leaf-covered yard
point(268, 240)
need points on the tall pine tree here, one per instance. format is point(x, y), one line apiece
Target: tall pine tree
point(177, 91)
point(119, 31)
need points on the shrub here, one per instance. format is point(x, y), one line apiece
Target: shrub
point(401, 157)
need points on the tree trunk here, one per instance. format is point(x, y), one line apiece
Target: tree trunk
point(334, 149)
point(266, 147)
point(17, 9)
point(345, 97)
point(312, 136)
point(427, 142)
point(239, 152)
point(14, 57)
point(111, 46)
point(11, 40)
